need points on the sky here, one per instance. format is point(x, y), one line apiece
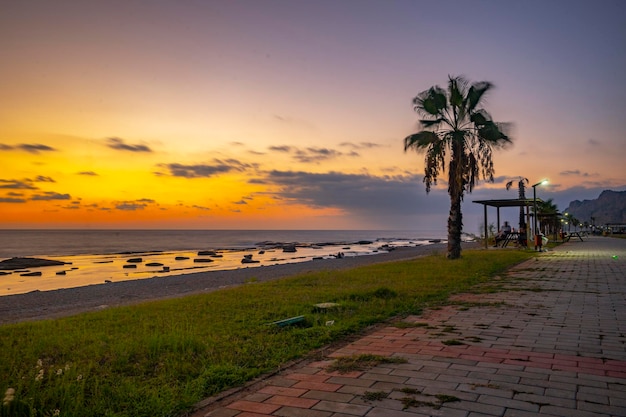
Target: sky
point(269, 114)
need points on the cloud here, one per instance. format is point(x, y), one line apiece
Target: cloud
point(49, 196)
point(311, 155)
point(27, 147)
point(575, 172)
point(134, 205)
point(17, 184)
point(41, 178)
point(242, 201)
point(206, 170)
point(88, 173)
point(11, 200)
point(200, 207)
point(366, 195)
point(361, 145)
point(119, 144)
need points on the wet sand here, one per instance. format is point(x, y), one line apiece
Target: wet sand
point(39, 305)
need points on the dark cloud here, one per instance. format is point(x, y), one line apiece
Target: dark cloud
point(49, 196)
point(119, 144)
point(280, 148)
point(200, 207)
point(311, 155)
point(593, 142)
point(130, 206)
point(18, 184)
point(41, 178)
point(240, 202)
point(575, 172)
point(88, 173)
point(367, 195)
point(35, 148)
point(134, 205)
point(11, 200)
point(27, 147)
point(206, 170)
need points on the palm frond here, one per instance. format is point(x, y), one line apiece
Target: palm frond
point(434, 122)
point(431, 102)
point(420, 140)
point(476, 93)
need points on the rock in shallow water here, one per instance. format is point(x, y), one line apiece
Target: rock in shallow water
point(21, 263)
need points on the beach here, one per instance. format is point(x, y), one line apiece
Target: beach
point(39, 305)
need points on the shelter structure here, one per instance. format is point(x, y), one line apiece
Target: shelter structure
point(515, 202)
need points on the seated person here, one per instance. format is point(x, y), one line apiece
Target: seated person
point(506, 229)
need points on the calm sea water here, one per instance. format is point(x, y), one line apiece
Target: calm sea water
point(102, 256)
point(98, 242)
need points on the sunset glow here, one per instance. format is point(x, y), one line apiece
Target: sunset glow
point(273, 114)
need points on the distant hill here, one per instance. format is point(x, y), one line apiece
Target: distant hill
point(609, 207)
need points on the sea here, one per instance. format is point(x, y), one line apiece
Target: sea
point(92, 257)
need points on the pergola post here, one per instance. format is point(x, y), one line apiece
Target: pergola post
point(486, 231)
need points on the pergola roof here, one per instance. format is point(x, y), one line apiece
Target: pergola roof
point(513, 202)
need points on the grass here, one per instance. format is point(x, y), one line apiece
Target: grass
point(160, 358)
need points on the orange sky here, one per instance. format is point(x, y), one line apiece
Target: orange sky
point(271, 115)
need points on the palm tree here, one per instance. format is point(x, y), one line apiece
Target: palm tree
point(547, 213)
point(521, 194)
point(456, 129)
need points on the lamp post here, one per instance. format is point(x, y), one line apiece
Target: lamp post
point(535, 210)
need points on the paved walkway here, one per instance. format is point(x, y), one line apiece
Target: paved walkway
point(550, 341)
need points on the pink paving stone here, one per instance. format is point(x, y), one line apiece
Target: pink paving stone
point(480, 358)
point(615, 374)
point(274, 390)
point(306, 377)
point(253, 407)
point(318, 386)
point(248, 414)
point(292, 401)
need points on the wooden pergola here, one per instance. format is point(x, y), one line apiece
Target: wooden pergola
point(515, 202)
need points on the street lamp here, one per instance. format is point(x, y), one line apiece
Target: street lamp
point(535, 210)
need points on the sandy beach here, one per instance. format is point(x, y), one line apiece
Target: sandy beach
point(40, 305)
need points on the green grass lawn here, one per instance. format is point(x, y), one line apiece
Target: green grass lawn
point(160, 358)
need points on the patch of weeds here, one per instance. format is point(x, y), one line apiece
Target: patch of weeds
point(407, 325)
point(448, 329)
point(361, 362)
point(251, 280)
point(507, 327)
point(412, 391)
point(482, 326)
point(463, 308)
point(452, 342)
point(375, 396)
point(443, 398)
point(408, 402)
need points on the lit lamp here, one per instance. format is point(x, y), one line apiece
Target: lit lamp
point(535, 209)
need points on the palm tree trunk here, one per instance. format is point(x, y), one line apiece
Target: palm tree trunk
point(455, 226)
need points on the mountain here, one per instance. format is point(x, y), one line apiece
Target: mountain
point(609, 207)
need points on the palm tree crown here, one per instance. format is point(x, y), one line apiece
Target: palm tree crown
point(456, 130)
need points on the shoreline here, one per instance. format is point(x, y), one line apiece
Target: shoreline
point(41, 305)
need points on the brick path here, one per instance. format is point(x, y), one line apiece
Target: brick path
point(550, 341)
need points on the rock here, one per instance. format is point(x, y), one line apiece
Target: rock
point(31, 274)
point(289, 248)
point(249, 260)
point(202, 260)
point(61, 273)
point(135, 260)
point(365, 242)
point(207, 253)
point(181, 258)
point(129, 266)
point(154, 264)
point(21, 263)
